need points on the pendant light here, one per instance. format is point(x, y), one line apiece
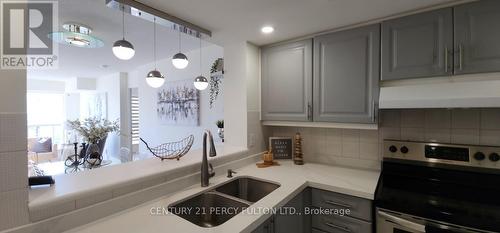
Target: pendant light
point(154, 78)
point(180, 61)
point(123, 49)
point(200, 82)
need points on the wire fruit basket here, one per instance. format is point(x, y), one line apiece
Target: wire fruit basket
point(171, 150)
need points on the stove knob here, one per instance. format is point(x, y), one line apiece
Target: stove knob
point(393, 149)
point(479, 156)
point(404, 149)
point(494, 157)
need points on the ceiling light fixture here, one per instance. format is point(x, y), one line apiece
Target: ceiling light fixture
point(267, 29)
point(200, 82)
point(154, 78)
point(123, 49)
point(180, 61)
point(76, 35)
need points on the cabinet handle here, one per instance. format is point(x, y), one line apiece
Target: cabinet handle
point(461, 56)
point(338, 204)
point(309, 111)
point(342, 228)
point(374, 111)
point(446, 59)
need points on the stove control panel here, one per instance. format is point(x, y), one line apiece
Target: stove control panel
point(465, 155)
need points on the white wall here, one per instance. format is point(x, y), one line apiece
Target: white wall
point(46, 86)
point(155, 132)
point(110, 84)
point(236, 105)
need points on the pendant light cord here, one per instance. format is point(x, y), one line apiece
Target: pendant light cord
point(180, 48)
point(123, 21)
point(154, 40)
point(201, 73)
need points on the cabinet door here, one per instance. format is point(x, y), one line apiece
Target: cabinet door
point(288, 222)
point(418, 45)
point(477, 37)
point(346, 75)
point(287, 82)
point(266, 227)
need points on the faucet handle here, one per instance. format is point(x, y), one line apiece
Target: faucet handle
point(230, 173)
point(211, 171)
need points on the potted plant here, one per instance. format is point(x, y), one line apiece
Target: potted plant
point(94, 131)
point(220, 130)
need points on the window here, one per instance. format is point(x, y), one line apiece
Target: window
point(45, 112)
point(134, 107)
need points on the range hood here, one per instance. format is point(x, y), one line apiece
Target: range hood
point(471, 91)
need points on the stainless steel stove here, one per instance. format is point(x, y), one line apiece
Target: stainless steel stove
point(438, 188)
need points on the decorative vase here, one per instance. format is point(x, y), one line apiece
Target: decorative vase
point(93, 155)
point(220, 131)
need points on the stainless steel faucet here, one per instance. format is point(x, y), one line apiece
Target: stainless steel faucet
point(205, 172)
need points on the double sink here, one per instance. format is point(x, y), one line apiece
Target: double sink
point(217, 205)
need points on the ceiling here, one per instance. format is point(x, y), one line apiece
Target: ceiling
point(107, 25)
point(236, 20)
point(229, 21)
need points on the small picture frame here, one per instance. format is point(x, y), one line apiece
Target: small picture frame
point(282, 147)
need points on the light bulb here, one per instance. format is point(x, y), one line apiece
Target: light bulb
point(155, 79)
point(123, 50)
point(180, 61)
point(200, 83)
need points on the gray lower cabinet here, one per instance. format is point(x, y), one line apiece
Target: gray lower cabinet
point(477, 37)
point(286, 89)
point(266, 227)
point(418, 45)
point(346, 75)
point(358, 220)
point(288, 222)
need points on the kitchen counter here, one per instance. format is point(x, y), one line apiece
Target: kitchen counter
point(293, 179)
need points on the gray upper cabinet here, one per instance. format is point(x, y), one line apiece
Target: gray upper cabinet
point(477, 37)
point(418, 45)
point(346, 75)
point(287, 81)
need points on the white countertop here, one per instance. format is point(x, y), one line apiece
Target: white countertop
point(89, 182)
point(292, 178)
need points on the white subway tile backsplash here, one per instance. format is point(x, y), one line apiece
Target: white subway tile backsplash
point(390, 133)
point(437, 118)
point(333, 135)
point(350, 149)
point(353, 146)
point(490, 118)
point(412, 118)
point(465, 136)
point(369, 151)
point(368, 136)
point(489, 137)
point(412, 134)
point(13, 171)
point(438, 135)
point(390, 118)
point(13, 132)
point(465, 118)
point(350, 135)
point(13, 208)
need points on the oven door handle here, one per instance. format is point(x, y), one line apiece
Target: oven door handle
point(402, 222)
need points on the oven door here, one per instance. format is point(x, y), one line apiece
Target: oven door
point(394, 222)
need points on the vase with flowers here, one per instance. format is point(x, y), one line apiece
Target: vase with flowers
point(94, 131)
point(220, 130)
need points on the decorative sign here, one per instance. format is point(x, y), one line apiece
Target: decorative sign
point(282, 147)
